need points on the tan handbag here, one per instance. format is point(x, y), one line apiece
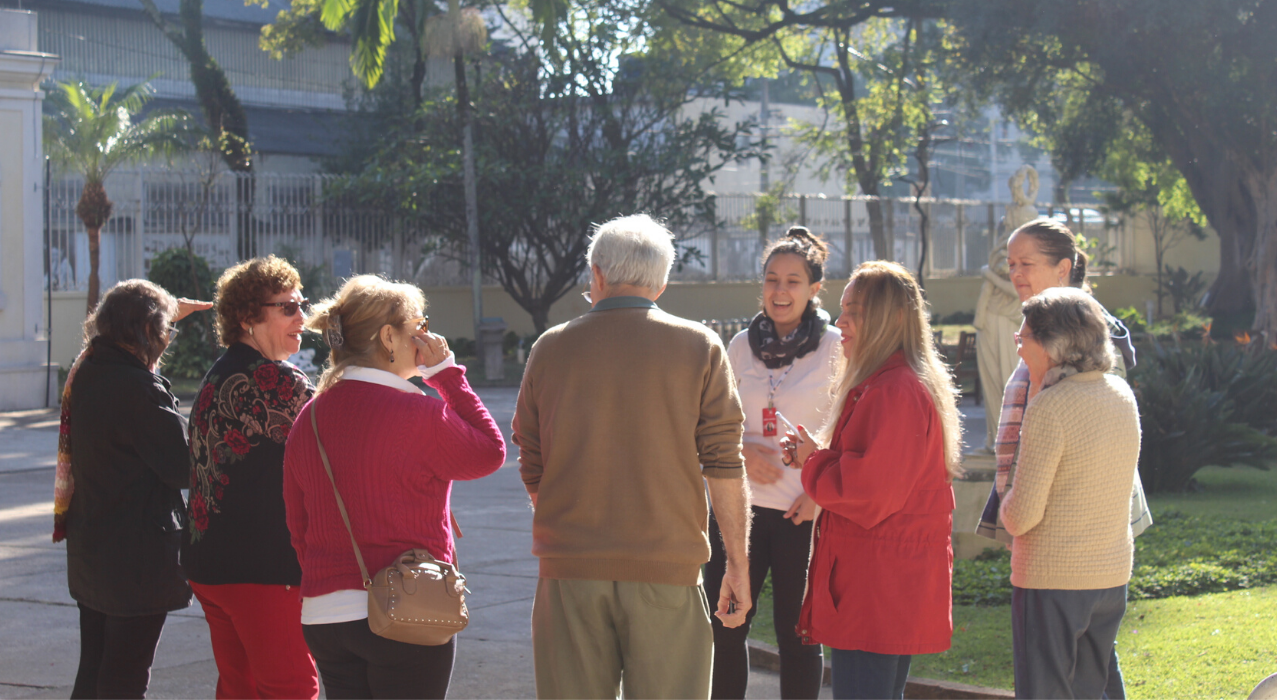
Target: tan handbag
point(417, 599)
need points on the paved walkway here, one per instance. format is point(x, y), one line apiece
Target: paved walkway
point(39, 623)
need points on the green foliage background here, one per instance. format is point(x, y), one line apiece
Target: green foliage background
point(196, 348)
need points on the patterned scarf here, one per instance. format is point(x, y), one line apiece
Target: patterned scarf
point(1007, 448)
point(1014, 399)
point(775, 352)
point(63, 483)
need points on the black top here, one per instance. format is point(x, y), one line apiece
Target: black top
point(129, 461)
point(239, 424)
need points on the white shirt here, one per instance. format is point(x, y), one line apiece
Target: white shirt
point(802, 397)
point(347, 605)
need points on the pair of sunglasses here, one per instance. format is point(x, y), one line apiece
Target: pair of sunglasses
point(289, 308)
point(422, 324)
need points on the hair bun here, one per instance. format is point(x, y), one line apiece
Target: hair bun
point(804, 236)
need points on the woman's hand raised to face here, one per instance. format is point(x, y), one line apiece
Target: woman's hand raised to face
point(186, 307)
point(431, 349)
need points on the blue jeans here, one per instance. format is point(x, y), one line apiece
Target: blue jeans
point(863, 674)
point(1063, 640)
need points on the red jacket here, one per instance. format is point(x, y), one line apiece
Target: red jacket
point(881, 571)
point(394, 456)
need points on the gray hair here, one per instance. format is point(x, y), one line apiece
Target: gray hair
point(633, 250)
point(1072, 327)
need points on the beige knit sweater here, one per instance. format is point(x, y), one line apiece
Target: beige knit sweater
point(1069, 507)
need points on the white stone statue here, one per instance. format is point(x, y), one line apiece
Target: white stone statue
point(998, 315)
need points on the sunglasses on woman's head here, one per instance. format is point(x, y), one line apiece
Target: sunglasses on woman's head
point(289, 308)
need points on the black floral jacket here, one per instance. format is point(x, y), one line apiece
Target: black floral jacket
point(236, 532)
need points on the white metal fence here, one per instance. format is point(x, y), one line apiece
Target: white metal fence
point(229, 217)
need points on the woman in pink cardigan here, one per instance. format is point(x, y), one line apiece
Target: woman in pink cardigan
point(394, 453)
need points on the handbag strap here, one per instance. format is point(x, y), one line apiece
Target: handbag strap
point(341, 505)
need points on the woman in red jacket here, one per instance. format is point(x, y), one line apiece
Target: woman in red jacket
point(394, 454)
point(879, 583)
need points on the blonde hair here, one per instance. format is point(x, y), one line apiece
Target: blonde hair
point(893, 318)
point(351, 320)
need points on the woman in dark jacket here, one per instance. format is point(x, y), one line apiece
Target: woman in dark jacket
point(237, 553)
point(118, 497)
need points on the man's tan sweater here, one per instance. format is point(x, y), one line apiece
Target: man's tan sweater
point(1069, 508)
point(621, 413)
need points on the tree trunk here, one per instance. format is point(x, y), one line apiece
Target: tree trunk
point(95, 244)
point(1263, 259)
point(471, 187)
point(878, 229)
point(417, 79)
point(540, 317)
point(94, 210)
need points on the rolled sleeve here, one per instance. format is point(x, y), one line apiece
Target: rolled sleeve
point(721, 424)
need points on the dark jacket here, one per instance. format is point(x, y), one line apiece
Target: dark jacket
point(129, 461)
point(236, 531)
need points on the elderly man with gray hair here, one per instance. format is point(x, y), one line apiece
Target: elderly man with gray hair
point(624, 415)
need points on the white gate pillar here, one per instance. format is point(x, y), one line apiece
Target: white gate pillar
point(24, 375)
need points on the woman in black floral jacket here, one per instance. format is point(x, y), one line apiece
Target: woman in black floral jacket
point(237, 552)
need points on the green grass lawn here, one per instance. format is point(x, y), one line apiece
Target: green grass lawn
point(1238, 492)
point(1208, 646)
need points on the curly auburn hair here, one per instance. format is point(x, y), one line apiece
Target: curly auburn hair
point(242, 289)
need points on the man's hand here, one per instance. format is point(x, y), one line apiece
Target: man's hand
point(730, 500)
point(759, 464)
point(802, 510)
point(735, 588)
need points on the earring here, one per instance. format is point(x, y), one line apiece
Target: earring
point(392, 357)
point(250, 331)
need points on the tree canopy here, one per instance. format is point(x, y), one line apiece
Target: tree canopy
point(1199, 75)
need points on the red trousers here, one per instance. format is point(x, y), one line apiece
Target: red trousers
point(256, 632)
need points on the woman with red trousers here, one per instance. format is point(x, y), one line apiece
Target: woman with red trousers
point(879, 583)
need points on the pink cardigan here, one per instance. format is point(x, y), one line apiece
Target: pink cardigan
point(394, 456)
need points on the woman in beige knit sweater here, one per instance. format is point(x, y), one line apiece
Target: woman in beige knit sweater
point(1069, 506)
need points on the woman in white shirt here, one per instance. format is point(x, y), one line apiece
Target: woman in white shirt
point(784, 364)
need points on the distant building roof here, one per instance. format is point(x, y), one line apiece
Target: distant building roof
point(291, 132)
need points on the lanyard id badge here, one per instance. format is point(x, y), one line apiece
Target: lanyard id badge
point(769, 422)
point(769, 413)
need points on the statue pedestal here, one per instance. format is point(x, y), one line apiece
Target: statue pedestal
point(970, 494)
point(24, 374)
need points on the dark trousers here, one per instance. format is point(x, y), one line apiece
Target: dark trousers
point(1115, 688)
point(864, 674)
point(778, 545)
point(355, 663)
point(1063, 640)
point(116, 654)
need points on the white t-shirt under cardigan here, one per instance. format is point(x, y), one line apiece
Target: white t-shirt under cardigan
point(802, 397)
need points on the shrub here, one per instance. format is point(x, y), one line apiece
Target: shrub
point(1179, 555)
point(1202, 404)
point(985, 580)
point(195, 349)
point(1188, 555)
point(1132, 318)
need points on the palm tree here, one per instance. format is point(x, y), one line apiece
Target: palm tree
point(94, 130)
